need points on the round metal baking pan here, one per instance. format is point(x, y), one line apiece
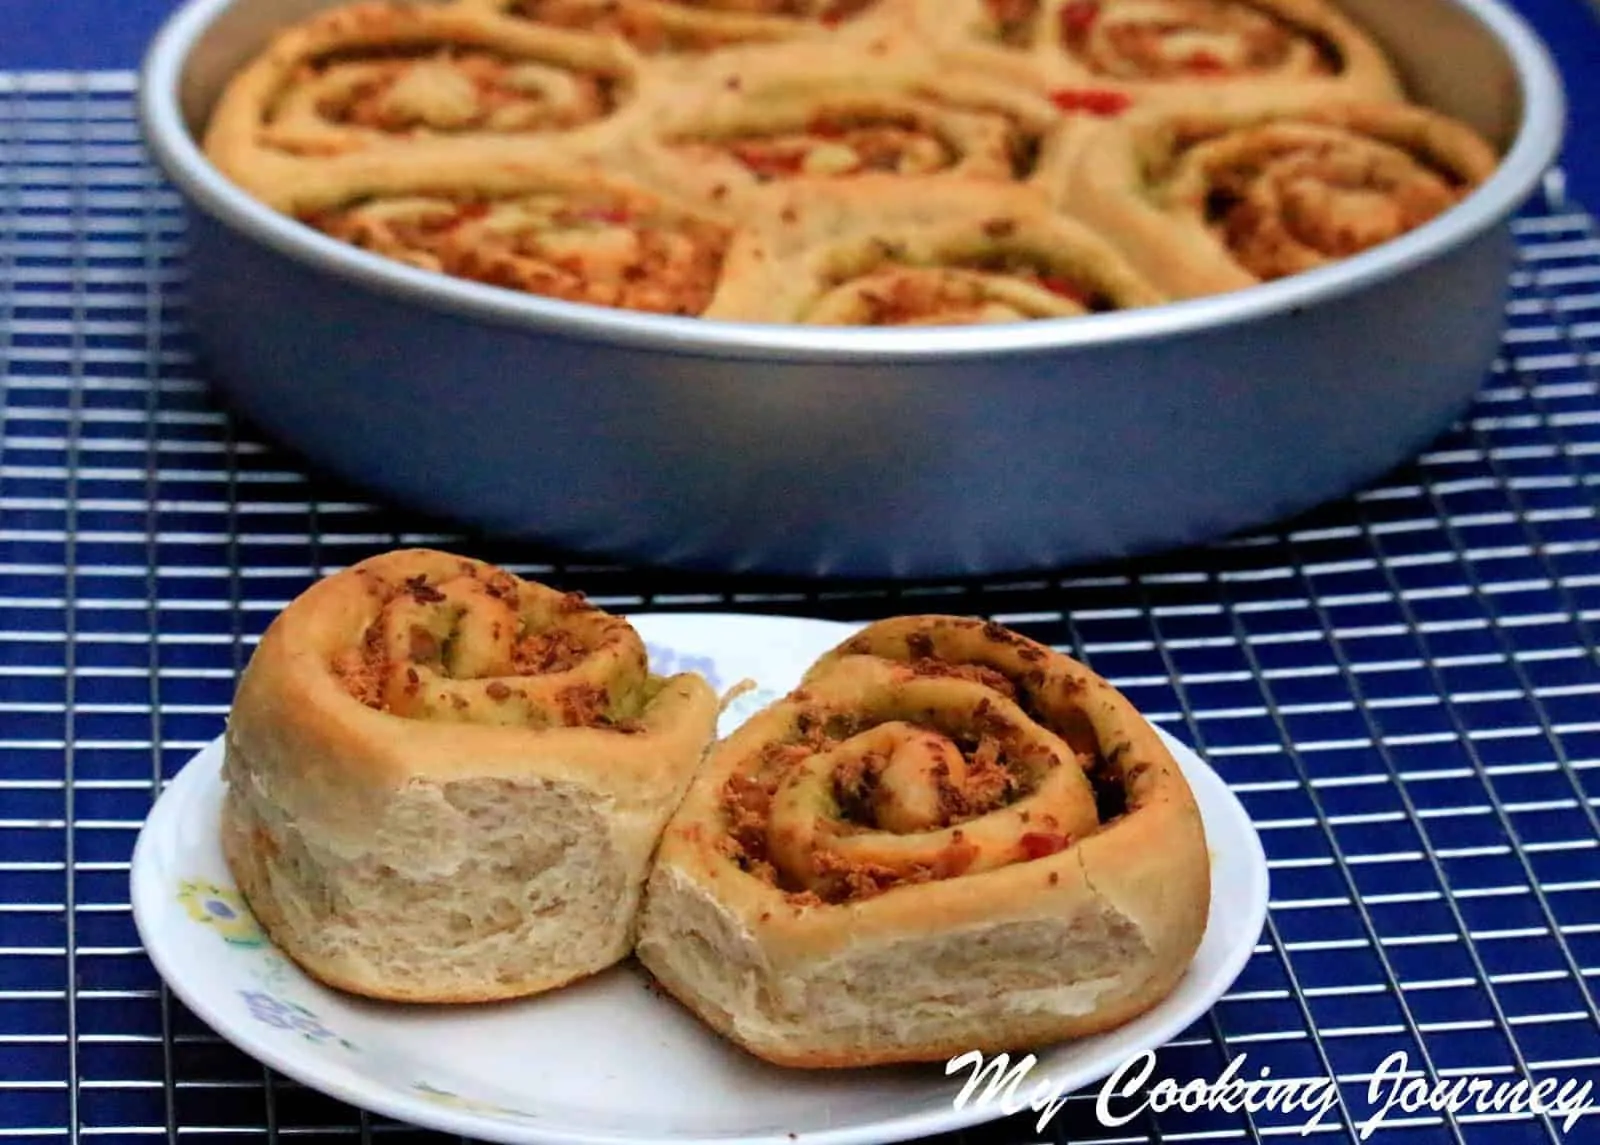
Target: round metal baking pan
point(858, 452)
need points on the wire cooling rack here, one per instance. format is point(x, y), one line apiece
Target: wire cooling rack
point(1402, 689)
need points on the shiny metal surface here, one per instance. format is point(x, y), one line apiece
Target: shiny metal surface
point(858, 452)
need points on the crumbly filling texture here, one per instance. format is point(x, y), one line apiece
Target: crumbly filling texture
point(1167, 39)
point(903, 801)
point(703, 158)
point(580, 247)
point(990, 276)
point(1290, 194)
point(842, 141)
point(448, 89)
point(465, 648)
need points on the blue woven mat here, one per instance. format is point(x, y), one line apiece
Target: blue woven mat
point(1404, 689)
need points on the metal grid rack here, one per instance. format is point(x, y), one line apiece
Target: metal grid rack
point(1402, 688)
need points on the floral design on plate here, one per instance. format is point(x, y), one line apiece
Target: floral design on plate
point(223, 910)
point(282, 1014)
point(675, 1072)
point(748, 704)
point(666, 661)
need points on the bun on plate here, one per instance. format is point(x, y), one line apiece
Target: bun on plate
point(948, 838)
point(445, 783)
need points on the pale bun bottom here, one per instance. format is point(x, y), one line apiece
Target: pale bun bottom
point(471, 891)
point(1009, 986)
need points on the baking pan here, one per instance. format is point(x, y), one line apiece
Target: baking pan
point(856, 452)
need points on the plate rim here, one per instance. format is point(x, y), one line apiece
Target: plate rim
point(364, 1093)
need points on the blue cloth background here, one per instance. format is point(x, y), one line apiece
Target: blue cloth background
point(82, 34)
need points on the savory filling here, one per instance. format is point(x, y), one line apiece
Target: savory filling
point(1167, 39)
point(909, 140)
point(440, 91)
point(1186, 39)
point(467, 649)
point(995, 286)
point(834, 147)
point(848, 806)
point(1286, 198)
point(920, 296)
point(597, 249)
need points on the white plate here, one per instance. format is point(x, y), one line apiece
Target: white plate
point(608, 1061)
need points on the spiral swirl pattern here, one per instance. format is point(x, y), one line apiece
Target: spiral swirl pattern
point(473, 645)
point(847, 140)
point(441, 92)
point(379, 74)
point(947, 835)
point(1170, 39)
point(757, 123)
point(444, 783)
point(930, 749)
point(964, 255)
point(1289, 196)
point(426, 133)
point(1208, 202)
point(1104, 56)
point(969, 787)
point(880, 291)
point(606, 248)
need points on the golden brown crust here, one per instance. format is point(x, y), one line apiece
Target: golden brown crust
point(864, 252)
point(295, 689)
point(561, 231)
point(1095, 831)
point(392, 702)
point(1205, 202)
point(1167, 53)
point(823, 112)
point(731, 110)
point(440, 82)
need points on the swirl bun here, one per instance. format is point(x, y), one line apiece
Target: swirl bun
point(958, 252)
point(554, 230)
point(1169, 53)
point(822, 112)
point(1207, 202)
point(947, 838)
point(438, 82)
point(1107, 137)
point(444, 783)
